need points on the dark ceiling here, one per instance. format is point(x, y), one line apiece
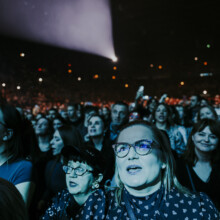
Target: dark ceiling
point(168, 33)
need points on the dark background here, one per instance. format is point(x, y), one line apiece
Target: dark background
point(168, 33)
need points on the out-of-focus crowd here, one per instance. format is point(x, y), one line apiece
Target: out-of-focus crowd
point(41, 146)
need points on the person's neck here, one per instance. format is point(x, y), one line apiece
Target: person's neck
point(81, 198)
point(203, 157)
point(44, 139)
point(74, 119)
point(3, 157)
point(161, 125)
point(144, 192)
point(44, 143)
point(114, 127)
point(97, 141)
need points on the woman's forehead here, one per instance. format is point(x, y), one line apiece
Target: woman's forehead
point(78, 164)
point(135, 133)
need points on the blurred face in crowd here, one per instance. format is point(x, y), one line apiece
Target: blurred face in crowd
point(203, 102)
point(79, 184)
point(38, 116)
point(2, 128)
point(42, 126)
point(206, 113)
point(193, 101)
point(139, 172)
point(56, 143)
point(152, 105)
point(105, 113)
point(161, 114)
point(29, 116)
point(180, 110)
point(95, 126)
point(205, 140)
point(64, 114)
point(71, 111)
point(52, 114)
point(119, 114)
point(57, 123)
point(87, 116)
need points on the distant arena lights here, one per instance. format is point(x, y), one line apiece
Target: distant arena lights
point(206, 74)
point(3, 84)
point(205, 92)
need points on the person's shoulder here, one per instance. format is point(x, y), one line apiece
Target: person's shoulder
point(110, 195)
point(23, 163)
point(196, 204)
point(98, 196)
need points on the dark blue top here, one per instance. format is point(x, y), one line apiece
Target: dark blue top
point(65, 207)
point(16, 172)
point(163, 205)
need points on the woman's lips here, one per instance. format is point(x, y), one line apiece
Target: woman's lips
point(72, 184)
point(133, 169)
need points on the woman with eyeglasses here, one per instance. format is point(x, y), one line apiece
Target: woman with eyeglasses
point(147, 187)
point(54, 177)
point(82, 199)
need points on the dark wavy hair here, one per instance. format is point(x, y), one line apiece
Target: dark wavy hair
point(12, 205)
point(12, 120)
point(70, 135)
point(170, 121)
point(214, 127)
point(210, 108)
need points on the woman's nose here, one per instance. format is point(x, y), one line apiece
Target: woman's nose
point(132, 154)
point(73, 174)
point(207, 138)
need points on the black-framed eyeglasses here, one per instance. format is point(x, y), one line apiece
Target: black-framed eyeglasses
point(79, 171)
point(141, 147)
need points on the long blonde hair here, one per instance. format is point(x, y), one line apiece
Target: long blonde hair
point(168, 176)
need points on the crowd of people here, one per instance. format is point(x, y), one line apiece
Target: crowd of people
point(146, 160)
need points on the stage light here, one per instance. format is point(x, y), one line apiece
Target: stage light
point(96, 76)
point(79, 78)
point(83, 25)
point(151, 65)
point(205, 63)
point(22, 54)
point(196, 58)
point(208, 45)
point(69, 65)
point(18, 87)
point(40, 80)
point(114, 68)
point(113, 77)
point(69, 71)
point(3, 84)
point(114, 59)
point(205, 92)
point(39, 69)
point(182, 83)
point(160, 67)
point(126, 85)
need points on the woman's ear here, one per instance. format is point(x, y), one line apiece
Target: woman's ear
point(163, 166)
point(95, 184)
point(99, 178)
point(8, 134)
